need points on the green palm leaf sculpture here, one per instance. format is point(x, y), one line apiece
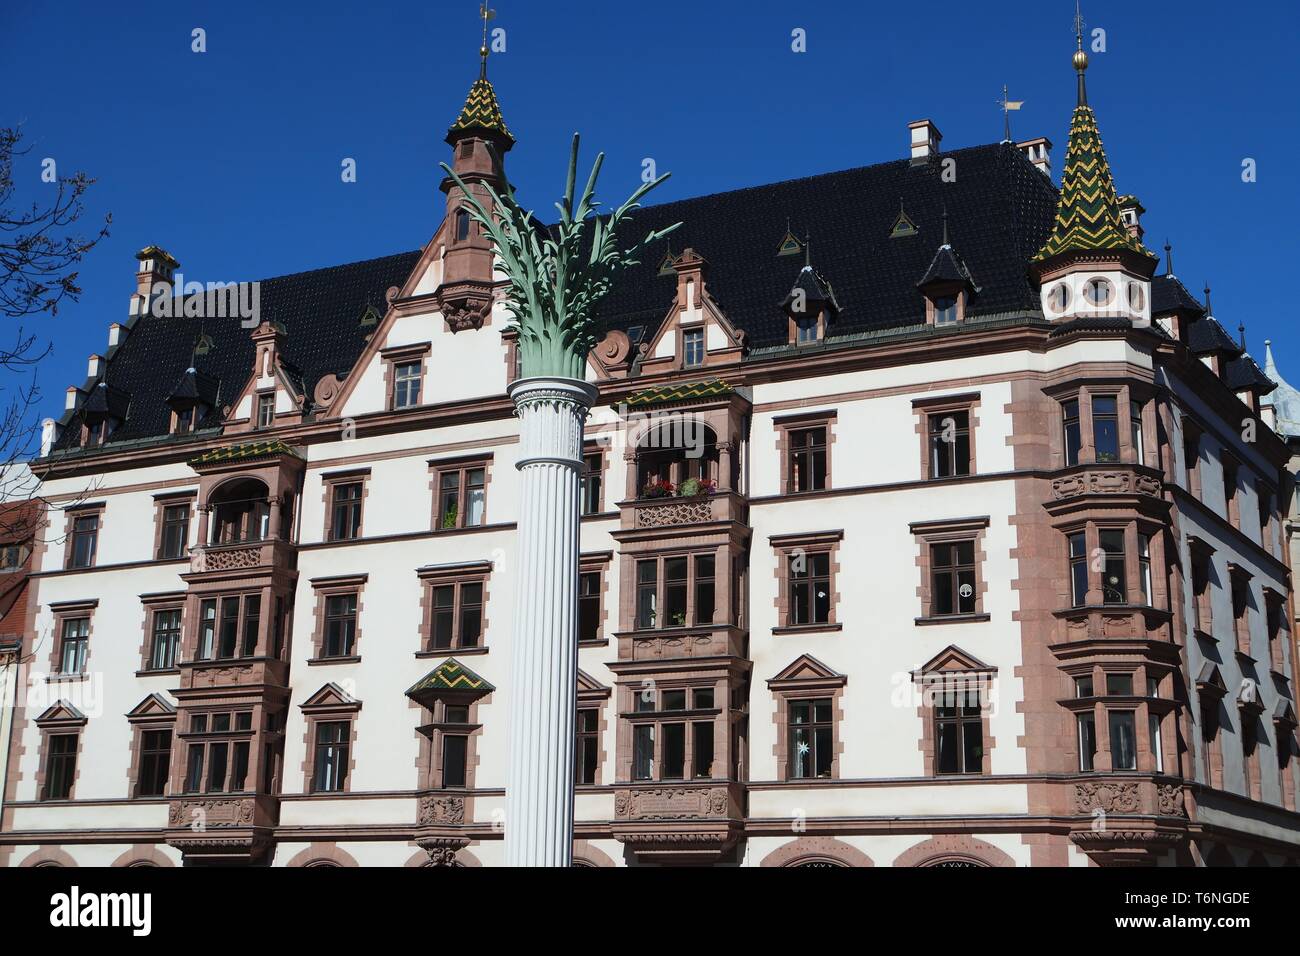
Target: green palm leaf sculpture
point(557, 277)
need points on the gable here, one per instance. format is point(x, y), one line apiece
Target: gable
point(807, 668)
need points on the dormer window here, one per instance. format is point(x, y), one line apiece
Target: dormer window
point(184, 422)
point(945, 310)
point(266, 410)
point(1098, 292)
point(96, 432)
point(1058, 300)
point(692, 348)
point(807, 330)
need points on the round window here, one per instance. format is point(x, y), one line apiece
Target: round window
point(1137, 298)
point(1098, 292)
point(1058, 299)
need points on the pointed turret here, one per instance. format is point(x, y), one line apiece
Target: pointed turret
point(479, 140)
point(1092, 264)
point(947, 284)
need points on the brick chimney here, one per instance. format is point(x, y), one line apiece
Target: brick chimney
point(156, 267)
point(1039, 152)
point(925, 140)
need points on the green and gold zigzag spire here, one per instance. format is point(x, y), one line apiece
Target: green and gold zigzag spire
point(1087, 216)
point(481, 112)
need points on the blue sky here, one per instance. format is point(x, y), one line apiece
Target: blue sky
point(231, 158)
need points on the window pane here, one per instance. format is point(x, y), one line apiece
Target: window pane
point(702, 745)
point(646, 598)
point(1087, 741)
point(704, 593)
point(948, 756)
point(674, 759)
point(643, 752)
point(589, 606)
point(674, 700)
point(217, 756)
point(455, 749)
point(1123, 749)
point(444, 598)
point(1119, 684)
point(471, 614)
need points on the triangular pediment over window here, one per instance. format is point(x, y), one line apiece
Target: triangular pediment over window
point(1209, 680)
point(330, 697)
point(953, 658)
point(153, 707)
point(807, 669)
point(61, 713)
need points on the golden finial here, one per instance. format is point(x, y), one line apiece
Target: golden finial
point(1080, 58)
point(486, 13)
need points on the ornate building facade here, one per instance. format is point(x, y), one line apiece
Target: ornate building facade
point(924, 524)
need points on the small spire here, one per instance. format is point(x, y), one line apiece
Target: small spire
point(1241, 333)
point(487, 14)
point(1169, 259)
point(945, 224)
point(1080, 58)
point(807, 250)
point(1208, 311)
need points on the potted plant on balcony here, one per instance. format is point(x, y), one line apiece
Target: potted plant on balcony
point(657, 488)
point(695, 487)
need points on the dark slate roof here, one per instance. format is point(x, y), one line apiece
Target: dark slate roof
point(320, 311)
point(946, 266)
point(106, 401)
point(1170, 295)
point(1207, 335)
point(1000, 205)
point(194, 386)
point(816, 290)
point(1242, 373)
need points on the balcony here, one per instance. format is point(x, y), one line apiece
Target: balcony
point(679, 822)
point(239, 556)
point(675, 643)
point(641, 514)
point(234, 672)
point(222, 827)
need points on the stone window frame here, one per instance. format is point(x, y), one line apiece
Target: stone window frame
point(1202, 564)
point(170, 500)
point(923, 408)
point(208, 737)
point(784, 425)
point(70, 610)
point(329, 484)
point(343, 707)
point(152, 604)
point(336, 586)
point(598, 446)
point(1239, 579)
point(598, 562)
point(404, 355)
point(925, 679)
point(810, 542)
point(510, 339)
point(594, 696)
point(690, 553)
point(96, 509)
point(950, 531)
point(1279, 636)
point(1090, 525)
point(432, 734)
point(71, 723)
point(434, 576)
point(260, 397)
point(1266, 495)
point(1193, 441)
point(785, 690)
point(1232, 468)
point(1124, 392)
point(716, 716)
point(462, 464)
point(154, 721)
point(703, 328)
point(1139, 702)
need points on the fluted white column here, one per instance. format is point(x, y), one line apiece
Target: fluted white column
point(544, 653)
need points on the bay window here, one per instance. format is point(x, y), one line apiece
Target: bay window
point(672, 733)
point(217, 752)
point(675, 591)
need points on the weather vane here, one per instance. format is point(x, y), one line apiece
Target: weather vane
point(1007, 106)
point(486, 13)
point(1078, 25)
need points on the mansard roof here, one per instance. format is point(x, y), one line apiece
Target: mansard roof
point(320, 311)
point(1000, 201)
